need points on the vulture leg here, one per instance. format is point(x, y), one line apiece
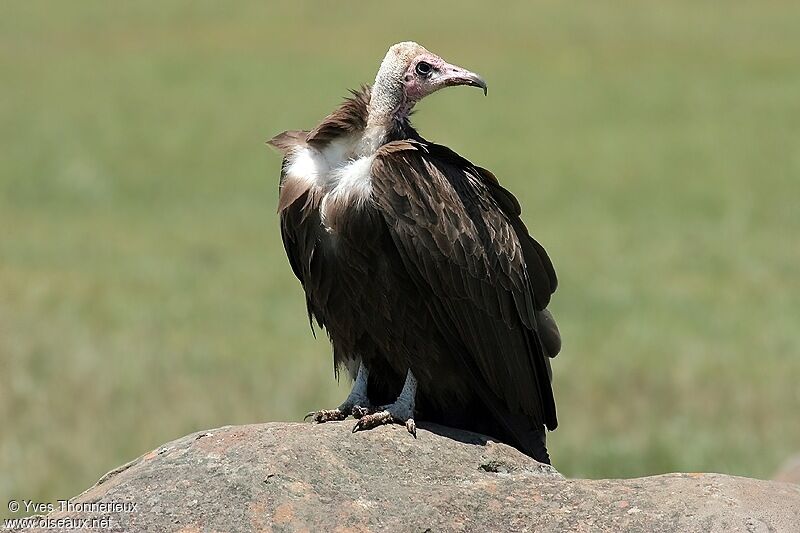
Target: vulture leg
point(401, 411)
point(356, 398)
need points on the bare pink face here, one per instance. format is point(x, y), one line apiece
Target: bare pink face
point(427, 73)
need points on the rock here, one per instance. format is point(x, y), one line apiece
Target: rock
point(789, 472)
point(304, 477)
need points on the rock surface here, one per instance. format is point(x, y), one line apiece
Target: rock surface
point(304, 477)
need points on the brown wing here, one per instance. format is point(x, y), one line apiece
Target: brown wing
point(539, 266)
point(448, 220)
point(299, 216)
point(288, 193)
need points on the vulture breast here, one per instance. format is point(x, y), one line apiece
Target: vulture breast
point(343, 180)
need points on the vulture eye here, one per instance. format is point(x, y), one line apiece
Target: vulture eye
point(423, 68)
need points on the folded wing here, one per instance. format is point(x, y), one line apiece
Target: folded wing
point(461, 239)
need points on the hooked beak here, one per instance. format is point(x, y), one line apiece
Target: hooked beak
point(452, 75)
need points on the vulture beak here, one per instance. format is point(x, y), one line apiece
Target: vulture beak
point(452, 75)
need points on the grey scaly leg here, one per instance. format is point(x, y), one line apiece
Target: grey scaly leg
point(401, 411)
point(357, 397)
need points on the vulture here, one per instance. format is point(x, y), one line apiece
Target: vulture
point(418, 266)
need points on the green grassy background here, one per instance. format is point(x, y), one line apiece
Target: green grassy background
point(144, 292)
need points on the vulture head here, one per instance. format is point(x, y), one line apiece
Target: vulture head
point(409, 73)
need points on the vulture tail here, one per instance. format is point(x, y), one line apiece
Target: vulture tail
point(515, 429)
point(532, 442)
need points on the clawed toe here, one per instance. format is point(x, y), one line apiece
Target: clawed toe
point(372, 420)
point(326, 415)
point(359, 411)
point(380, 418)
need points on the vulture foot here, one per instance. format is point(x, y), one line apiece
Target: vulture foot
point(356, 398)
point(400, 412)
point(328, 415)
point(384, 417)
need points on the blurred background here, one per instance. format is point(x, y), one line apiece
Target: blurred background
point(145, 294)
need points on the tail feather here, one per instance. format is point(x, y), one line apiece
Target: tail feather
point(535, 445)
point(490, 418)
point(518, 431)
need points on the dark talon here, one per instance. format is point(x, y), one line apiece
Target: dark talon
point(312, 413)
point(362, 423)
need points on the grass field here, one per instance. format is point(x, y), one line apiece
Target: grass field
point(144, 292)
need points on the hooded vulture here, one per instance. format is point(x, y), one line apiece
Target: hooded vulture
point(418, 265)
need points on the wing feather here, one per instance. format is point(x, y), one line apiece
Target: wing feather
point(460, 237)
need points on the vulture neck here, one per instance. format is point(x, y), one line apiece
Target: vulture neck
point(388, 108)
